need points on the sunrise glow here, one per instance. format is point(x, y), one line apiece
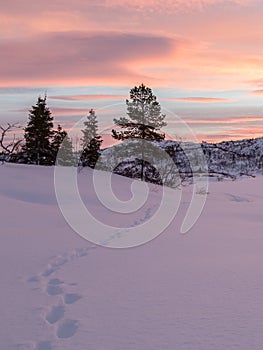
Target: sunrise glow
point(203, 60)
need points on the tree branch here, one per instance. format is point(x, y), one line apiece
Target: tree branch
point(12, 146)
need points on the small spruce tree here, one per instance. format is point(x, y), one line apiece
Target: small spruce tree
point(91, 141)
point(62, 147)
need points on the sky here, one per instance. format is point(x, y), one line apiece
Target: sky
point(203, 60)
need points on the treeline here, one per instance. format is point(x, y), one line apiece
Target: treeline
point(42, 144)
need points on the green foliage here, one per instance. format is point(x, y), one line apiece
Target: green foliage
point(38, 133)
point(143, 122)
point(62, 148)
point(91, 141)
point(58, 137)
point(91, 128)
point(144, 117)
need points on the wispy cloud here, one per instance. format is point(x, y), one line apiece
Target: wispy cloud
point(230, 134)
point(79, 57)
point(89, 97)
point(221, 121)
point(170, 5)
point(69, 111)
point(198, 99)
point(61, 111)
point(256, 82)
point(257, 92)
point(198, 50)
point(16, 6)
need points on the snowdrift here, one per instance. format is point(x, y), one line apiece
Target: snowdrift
point(202, 290)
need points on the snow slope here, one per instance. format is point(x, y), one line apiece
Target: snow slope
point(202, 290)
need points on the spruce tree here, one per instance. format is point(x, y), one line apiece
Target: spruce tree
point(144, 119)
point(38, 134)
point(91, 141)
point(62, 147)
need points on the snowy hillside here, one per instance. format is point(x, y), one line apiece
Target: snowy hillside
point(202, 290)
point(228, 159)
point(244, 157)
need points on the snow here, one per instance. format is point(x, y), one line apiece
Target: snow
point(227, 159)
point(200, 290)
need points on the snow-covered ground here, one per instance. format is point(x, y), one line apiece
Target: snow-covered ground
point(198, 291)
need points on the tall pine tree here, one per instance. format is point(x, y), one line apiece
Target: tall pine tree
point(38, 134)
point(144, 119)
point(91, 141)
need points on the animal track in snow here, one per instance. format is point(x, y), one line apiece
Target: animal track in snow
point(53, 287)
point(55, 314)
point(67, 329)
point(63, 328)
point(71, 298)
point(55, 281)
point(44, 345)
point(54, 290)
point(235, 198)
point(55, 264)
point(24, 346)
point(33, 279)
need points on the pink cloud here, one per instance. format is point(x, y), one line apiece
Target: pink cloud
point(76, 57)
point(258, 82)
point(169, 5)
point(89, 97)
point(231, 134)
point(16, 6)
point(221, 121)
point(69, 111)
point(61, 111)
point(198, 99)
point(257, 92)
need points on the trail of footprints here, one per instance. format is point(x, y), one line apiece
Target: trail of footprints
point(55, 316)
point(62, 327)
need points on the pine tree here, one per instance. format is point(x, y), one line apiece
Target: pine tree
point(144, 119)
point(91, 141)
point(62, 147)
point(38, 134)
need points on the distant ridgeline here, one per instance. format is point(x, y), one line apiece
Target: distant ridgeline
point(235, 158)
point(228, 159)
